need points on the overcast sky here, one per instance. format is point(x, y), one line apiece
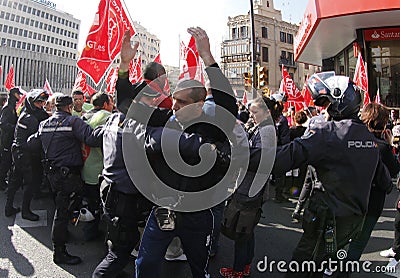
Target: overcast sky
point(168, 20)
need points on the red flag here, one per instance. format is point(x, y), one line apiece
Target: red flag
point(80, 82)
point(81, 85)
point(157, 59)
point(47, 87)
point(21, 100)
point(10, 82)
point(361, 78)
point(244, 99)
point(378, 97)
point(308, 100)
point(111, 80)
point(1, 69)
point(289, 88)
point(192, 67)
point(103, 42)
point(135, 70)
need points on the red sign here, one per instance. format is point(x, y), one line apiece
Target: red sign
point(382, 34)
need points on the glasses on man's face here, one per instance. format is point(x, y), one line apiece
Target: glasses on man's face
point(78, 99)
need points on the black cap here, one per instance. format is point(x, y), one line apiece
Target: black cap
point(63, 101)
point(15, 90)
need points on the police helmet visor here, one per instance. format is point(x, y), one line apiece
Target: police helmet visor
point(318, 87)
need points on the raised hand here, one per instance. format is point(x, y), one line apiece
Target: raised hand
point(202, 44)
point(127, 51)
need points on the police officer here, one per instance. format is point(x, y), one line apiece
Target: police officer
point(346, 158)
point(27, 165)
point(8, 120)
point(60, 137)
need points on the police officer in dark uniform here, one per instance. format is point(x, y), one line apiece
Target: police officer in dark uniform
point(60, 137)
point(8, 120)
point(27, 165)
point(346, 158)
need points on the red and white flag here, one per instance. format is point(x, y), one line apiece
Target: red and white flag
point(192, 66)
point(111, 80)
point(289, 88)
point(135, 70)
point(10, 81)
point(308, 100)
point(81, 85)
point(104, 40)
point(378, 97)
point(47, 87)
point(361, 78)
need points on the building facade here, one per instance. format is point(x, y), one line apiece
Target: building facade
point(41, 43)
point(274, 48)
point(332, 38)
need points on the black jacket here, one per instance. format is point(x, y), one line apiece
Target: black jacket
point(61, 137)
point(28, 124)
point(346, 157)
point(8, 120)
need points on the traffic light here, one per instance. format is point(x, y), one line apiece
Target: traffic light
point(247, 81)
point(262, 77)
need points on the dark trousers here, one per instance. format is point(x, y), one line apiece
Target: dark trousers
point(244, 252)
point(218, 212)
point(358, 244)
point(29, 172)
point(311, 246)
point(91, 194)
point(6, 163)
point(67, 191)
point(122, 234)
point(307, 187)
point(194, 230)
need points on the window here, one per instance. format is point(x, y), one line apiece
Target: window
point(36, 24)
point(37, 12)
point(243, 32)
point(47, 15)
point(5, 27)
point(290, 58)
point(33, 11)
point(29, 10)
point(13, 43)
point(12, 17)
point(24, 8)
point(283, 54)
point(25, 20)
point(307, 67)
point(25, 33)
point(41, 25)
point(234, 33)
point(28, 46)
point(23, 45)
point(17, 18)
point(1, 14)
point(264, 32)
point(32, 22)
point(34, 35)
point(30, 34)
point(8, 16)
point(18, 44)
point(290, 38)
point(283, 36)
point(264, 54)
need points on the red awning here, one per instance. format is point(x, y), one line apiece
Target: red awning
point(329, 26)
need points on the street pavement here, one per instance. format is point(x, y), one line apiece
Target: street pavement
point(26, 249)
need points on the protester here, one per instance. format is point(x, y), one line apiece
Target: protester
point(261, 110)
point(78, 101)
point(193, 228)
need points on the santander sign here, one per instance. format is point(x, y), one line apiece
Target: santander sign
point(380, 34)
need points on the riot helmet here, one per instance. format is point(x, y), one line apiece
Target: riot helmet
point(343, 95)
point(36, 95)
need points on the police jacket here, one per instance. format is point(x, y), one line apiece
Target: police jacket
point(8, 120)
point(61, 136)
point(378, 193)
point(346, 157)
point(28, 124)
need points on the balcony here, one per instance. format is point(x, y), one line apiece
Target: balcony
point(287, 63)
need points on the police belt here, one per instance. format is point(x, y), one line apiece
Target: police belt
point(65, 170)
point(121, 203)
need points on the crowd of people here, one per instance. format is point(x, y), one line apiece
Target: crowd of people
point(339, 162)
